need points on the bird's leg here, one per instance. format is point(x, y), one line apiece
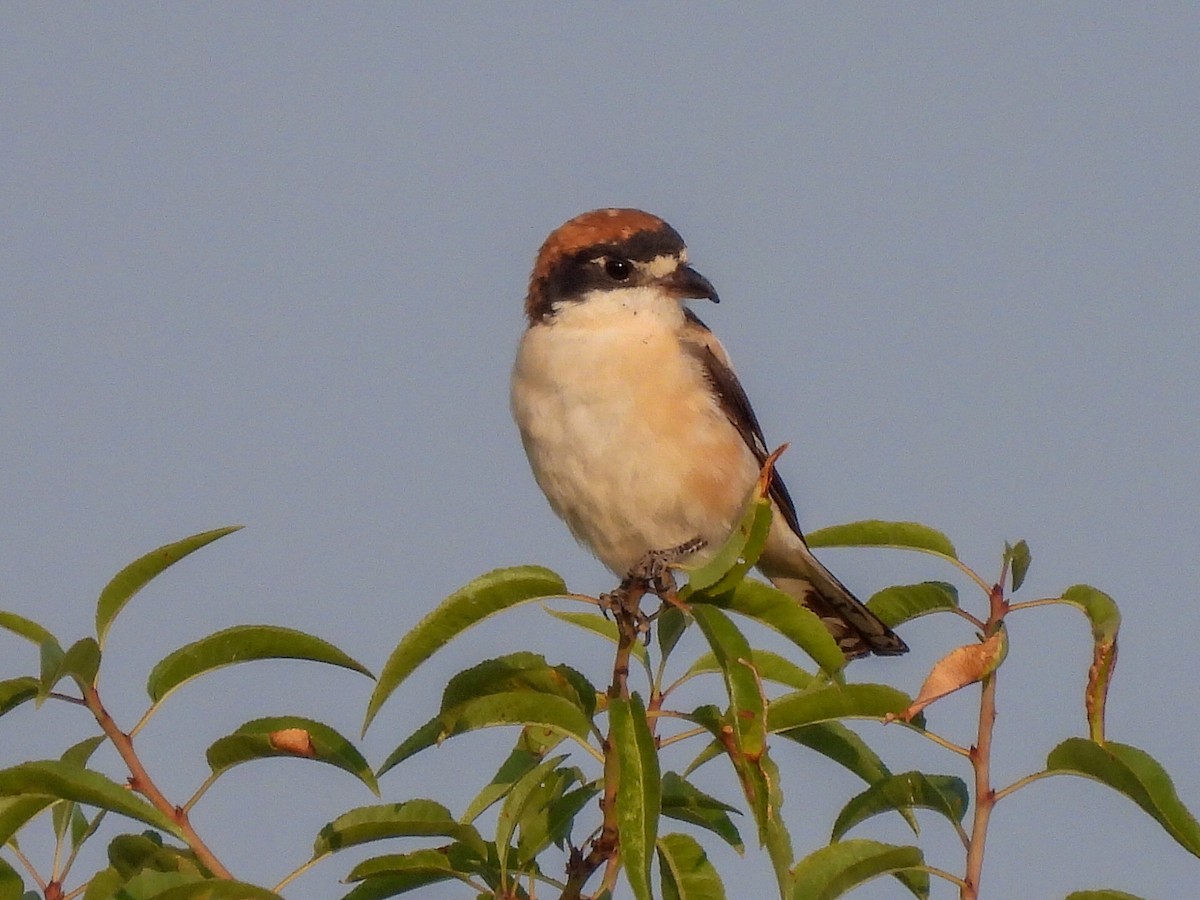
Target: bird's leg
point(650, 575)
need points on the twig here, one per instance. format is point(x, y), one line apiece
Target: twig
point(140, 781)
point(981, 757)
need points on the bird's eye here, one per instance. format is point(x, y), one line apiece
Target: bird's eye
point(618, 269)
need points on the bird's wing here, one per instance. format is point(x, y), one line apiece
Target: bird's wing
point(699, 341)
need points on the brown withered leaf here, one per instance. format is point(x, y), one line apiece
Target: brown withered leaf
point(296, 741)
point(958, 668)
point(1104, 659)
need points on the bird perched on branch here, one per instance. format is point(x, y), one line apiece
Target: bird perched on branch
point(636, 427)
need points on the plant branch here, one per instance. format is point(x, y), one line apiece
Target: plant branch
point(981, 756)
point(1021, 782)
point(141, 782)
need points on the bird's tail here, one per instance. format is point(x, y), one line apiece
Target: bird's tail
point(857, 630)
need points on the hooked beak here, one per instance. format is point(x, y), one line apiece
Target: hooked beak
point(688, 284)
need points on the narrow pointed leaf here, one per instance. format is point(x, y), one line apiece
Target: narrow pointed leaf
point(49, 667)
point(671, 626)
point(397, 873)
point(944, 794)
point(638, 790)
point(150, 885)
point(837, 742)
point(686, 871)
point(79, 754)
point(26, 628)
point(1018, 558)
point(518, 708)
point(138, 574)
point(242, 643)
point(832, 871)
point(130, 854)
point(513, 809)
point(847, 701)
point(684, 802)
point(898, 604)
point(11, 885)
point(428, 735)
point(413, 818)
point(746, 702)
point(726, 567)
point(520, 672)
point(877, 533)
point(1135, 774)
point(766, 798)
point(80, 662)
point(769, 666)
point(484, 597)
point(776, 610)
point(519, 762)
point(51, 778)
point(289, 736)
point(16, 811)
point(16, 691)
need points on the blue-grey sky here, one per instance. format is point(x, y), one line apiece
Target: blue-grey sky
point(264, 264)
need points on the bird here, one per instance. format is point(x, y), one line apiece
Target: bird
point(635, 426)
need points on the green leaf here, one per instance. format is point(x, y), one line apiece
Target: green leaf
point(769, 666)
point(138, 574)
point(51, 778)
point(1018, 558)
point(49, 666)
point(79, 754)
point(684, 802)
point(944, 794)
point(130, 854)
point(605, 628)
point(520, 672)
point(902, 602)
point(1106, 894)
point(671, 626)
point(513, 810)
point(726, 567)
point(1135, 774)
point(428, 735)
point(766, 798)
point(150, 885)
point(104, 885)
point(81, 662)
point(518, 708)
point(638, 790)
point(290, 736)
point(26, 628)
point(414, 818)
point(484, 597)
point(11, 885)
point(776, 610)
point(834, 870)
point(16, 811)
point(519, 762)
point(242, 643)
point(16, 691)
point(877, 533)
point(837, 742)
point(1099, 607)
point(399, 873)
point(846, 701)
point(746, 702)
point(686, 872)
